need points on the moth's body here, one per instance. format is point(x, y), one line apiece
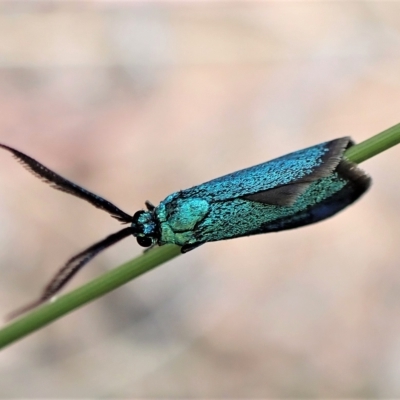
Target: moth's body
point(297, 189)
point(280, 194)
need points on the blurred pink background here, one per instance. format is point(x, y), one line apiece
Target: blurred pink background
point(137, 100)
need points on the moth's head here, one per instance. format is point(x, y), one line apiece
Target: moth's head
point(144, 228)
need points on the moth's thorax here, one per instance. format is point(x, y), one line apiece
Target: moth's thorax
point(177, 218)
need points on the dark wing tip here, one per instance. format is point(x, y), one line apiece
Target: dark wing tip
point(331, 159)
point(353, 173)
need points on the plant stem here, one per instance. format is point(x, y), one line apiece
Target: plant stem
point(105, 283)
point(374, 145)
point(111, 280)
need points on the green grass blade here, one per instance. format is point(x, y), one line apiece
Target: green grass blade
point(111, 280)
point(374, 145)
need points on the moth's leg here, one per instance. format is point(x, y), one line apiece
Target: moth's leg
point(149, 248)
point(149, 205)
point(187, 247)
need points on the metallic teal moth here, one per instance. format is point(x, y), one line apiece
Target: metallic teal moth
point(294, 190)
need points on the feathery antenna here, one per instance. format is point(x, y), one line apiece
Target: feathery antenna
point(70, 268)
point(58, 182)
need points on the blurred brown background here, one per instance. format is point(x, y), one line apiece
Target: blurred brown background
point(137, 100)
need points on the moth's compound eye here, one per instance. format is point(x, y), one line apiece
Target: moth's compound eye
point(144, 241)
point(137, 214)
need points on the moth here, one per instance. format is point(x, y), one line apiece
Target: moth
point(294, 190)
